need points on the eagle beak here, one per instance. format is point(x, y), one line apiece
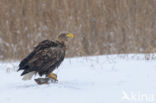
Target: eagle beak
point(70, 35)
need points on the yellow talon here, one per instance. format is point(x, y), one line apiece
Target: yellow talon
point(53, 76)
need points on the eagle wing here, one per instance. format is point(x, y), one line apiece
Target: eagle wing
point(44, 58)
point(41, 46)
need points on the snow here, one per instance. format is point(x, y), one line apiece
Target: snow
point(98, 79)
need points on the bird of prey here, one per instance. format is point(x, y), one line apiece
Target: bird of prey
point(45, 58)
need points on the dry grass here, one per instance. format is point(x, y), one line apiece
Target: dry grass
point(100, 26)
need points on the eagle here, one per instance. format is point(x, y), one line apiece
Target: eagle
point(45, 57)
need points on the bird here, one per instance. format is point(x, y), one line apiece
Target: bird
point(45, 57)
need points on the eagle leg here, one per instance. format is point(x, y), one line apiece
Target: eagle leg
point(53, 76)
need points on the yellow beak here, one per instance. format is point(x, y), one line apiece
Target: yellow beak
point(70, 35)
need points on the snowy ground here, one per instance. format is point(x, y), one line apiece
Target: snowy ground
point(102, 79)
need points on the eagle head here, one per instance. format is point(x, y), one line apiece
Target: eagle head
point(65, 36)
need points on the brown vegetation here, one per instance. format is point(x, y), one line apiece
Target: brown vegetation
point(100, 26)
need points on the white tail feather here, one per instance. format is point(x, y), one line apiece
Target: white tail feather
point(28, 76)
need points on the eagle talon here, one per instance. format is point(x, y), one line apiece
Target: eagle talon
point(53, 76)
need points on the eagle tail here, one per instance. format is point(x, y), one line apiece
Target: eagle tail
point(28, 76)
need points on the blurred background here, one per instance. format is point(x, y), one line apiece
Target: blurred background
point(100, 26)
